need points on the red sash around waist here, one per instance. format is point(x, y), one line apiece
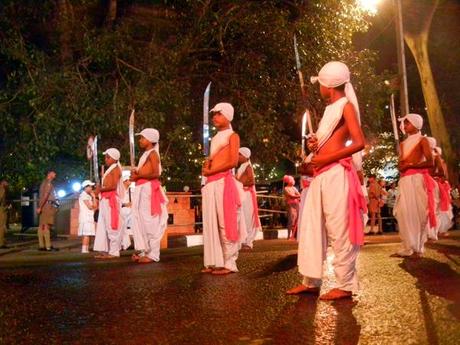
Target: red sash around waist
point(156, 197)
point(429, 185)
point(231, 203)
point(114, 208)
point(356, 201)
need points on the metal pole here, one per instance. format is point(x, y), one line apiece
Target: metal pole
point(404, 97)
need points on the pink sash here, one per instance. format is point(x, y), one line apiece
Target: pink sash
point(114, 208)
point(156, 197)
point(231, 203)
point(444, 194)
point(356, 201)
point(429, 185)
point(255, 207)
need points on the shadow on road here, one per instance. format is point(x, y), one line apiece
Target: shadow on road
point(435, 278)
point(310, 321)
point(285, 264)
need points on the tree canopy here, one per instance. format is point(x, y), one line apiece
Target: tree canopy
point(72, 69)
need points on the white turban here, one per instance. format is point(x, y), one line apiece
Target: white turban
point(245, 152)
point(151, 134)
point(113, 153)
point(225, 109)
point(415, 119)
point(336, 73)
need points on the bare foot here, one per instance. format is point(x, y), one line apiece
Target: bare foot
point(443, 234)
point(207, 270)
point(222, 272)
point(335, 294)
point(300, 289)
point(135, 257)
point(106, 257)
point(100, 256)
point(145, 260)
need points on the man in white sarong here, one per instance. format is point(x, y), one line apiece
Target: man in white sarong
point(446, 215)
point(245, 174)
point(126, 213)
point(149, 202)
point(335, 204)
point(415, 204)
point(223, 228)
point(109, 225)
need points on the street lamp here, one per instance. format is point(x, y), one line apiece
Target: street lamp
point(371, 7)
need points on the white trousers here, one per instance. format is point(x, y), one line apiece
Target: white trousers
point(218, 250)
point(411, 212)
point(107, 239)
point(249, 219)
point(126, 213)
point(325, 221)
point(147, 230)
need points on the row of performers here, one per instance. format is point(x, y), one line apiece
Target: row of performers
point(332, 212)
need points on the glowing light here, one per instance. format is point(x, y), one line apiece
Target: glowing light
point(76, 187)
point(61, 193)
point(369, 6)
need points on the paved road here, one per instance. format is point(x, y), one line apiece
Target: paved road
point(67, 298)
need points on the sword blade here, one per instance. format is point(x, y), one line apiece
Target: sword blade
point(132, 153)
point(304, 132)
point(296, 51)
point(394, 122)
point(206, 120)
point(95, 161)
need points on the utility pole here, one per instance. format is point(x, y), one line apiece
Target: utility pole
point(404, 97)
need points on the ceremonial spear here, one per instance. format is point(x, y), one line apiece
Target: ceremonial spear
point(306, 118)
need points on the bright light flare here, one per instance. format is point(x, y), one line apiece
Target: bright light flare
point(61, 193)
point(369, 6)
point(76, 187)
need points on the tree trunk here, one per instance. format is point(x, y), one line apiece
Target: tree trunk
point(416, 38)
point(111, 13)
point(64, 26)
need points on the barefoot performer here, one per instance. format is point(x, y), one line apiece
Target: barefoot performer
point(415, 204)
point(245, 174)
point(223, 228)
point(292, 199)
point(109, 224)
point(335, 203)
point(149, 213)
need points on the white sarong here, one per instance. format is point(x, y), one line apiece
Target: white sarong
point(107, 240)
point(249, 218)
point(325, 220)
point(218, 250)
point(411, 212)
point(147, 230)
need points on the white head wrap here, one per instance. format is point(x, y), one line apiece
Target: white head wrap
point(225, 109)
point(336, 73)
point(113, 153)
point(151, 134)
point(415, 119)
point(245, 152)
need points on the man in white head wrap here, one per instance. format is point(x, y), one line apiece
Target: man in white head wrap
point(334, 204)
point(149, 211)
point(109, 231)
point(223, 228)
point(245, 174)
point(415, 205)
